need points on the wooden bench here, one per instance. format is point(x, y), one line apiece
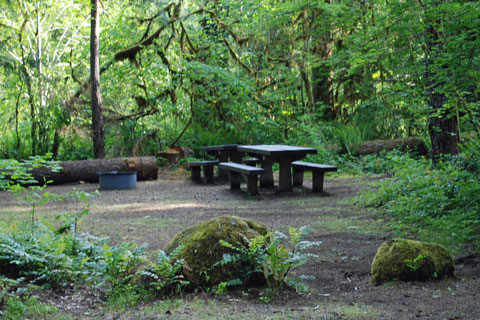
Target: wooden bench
point(318, 172)
point(235, 171)
point(207, 166)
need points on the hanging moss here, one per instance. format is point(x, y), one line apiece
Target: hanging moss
point(202, 249)
point(409, 260)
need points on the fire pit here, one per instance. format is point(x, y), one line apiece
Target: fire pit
point(111, 180)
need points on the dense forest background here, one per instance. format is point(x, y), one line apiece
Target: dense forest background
point(86, 79)
point(198, 72)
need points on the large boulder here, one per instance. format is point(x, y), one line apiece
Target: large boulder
point(409, 260)
point(202, 248)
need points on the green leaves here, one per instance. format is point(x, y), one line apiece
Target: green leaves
point(164, 276)
point(273, 255)
point(438, 203)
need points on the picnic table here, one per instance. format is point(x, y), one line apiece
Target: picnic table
point(283, 155)
point(224, 153)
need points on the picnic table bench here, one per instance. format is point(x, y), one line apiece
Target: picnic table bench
point(318, 172)
point(235, 171)
point(207, 166)
point(223, 153)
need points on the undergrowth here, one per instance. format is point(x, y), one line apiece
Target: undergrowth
point(438, 202)
point(39, 254)
point(274, 256)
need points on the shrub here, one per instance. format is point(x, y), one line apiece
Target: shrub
point(436, 202)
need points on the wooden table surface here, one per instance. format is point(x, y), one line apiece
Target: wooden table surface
point(276, 149)
point(225, 147)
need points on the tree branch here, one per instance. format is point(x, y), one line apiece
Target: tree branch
point(237, 59)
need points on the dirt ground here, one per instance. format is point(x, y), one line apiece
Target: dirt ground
point(157, 210)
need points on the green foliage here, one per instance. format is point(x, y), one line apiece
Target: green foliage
point(250, 257)
point(274, 256)
point(27, 308)
point(119, 262)
point(197, 136)
point(40, 253)
point(257, 72)
point(125, 296)
point(348, 138)
point(14, 175)
point(385, 163)
point(438, 202)
point(143, 279)
point(416, 263)
point(69, 220)
point(469, 159)
point(163, 276)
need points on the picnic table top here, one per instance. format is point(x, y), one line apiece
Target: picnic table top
point(276, 149)
point(225, 147)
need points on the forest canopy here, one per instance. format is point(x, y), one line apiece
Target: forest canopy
point(191, 73)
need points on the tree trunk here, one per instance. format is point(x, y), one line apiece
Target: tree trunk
point(443, 128)
point(322, 82)
point(86, 170)
point(308, 87)
point(443, 122)
point(96, 97)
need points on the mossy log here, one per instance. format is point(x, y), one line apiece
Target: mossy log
point(86, 170)
point(376, 146)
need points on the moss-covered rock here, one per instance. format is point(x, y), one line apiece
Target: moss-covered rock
point(409, 260)
point(202, 249)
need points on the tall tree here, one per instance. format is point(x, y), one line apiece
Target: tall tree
point(96, 97)
point(35, 39)
point(443, 121)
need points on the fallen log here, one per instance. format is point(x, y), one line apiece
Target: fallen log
point(86, 170)
point(416, 145)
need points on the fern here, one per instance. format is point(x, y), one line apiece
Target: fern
point(164, 275)
point(273, 255)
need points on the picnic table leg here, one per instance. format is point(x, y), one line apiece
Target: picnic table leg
point(208, 172)
point(235, 178)
point(297, 177)
point(237, 156)
point(317, 180)
point(285, 175)
point(252, 184)
point(266, 179)
point(223, 157)
point(196, 174)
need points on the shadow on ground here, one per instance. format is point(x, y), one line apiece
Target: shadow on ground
point(157, 210)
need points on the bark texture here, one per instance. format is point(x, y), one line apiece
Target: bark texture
point(96, 97)
point(443, 122)
point(374, 147)
point(86, 170)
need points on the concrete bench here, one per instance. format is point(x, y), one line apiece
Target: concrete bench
point(207, 166)
point(235, 171)
point(318, 172)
